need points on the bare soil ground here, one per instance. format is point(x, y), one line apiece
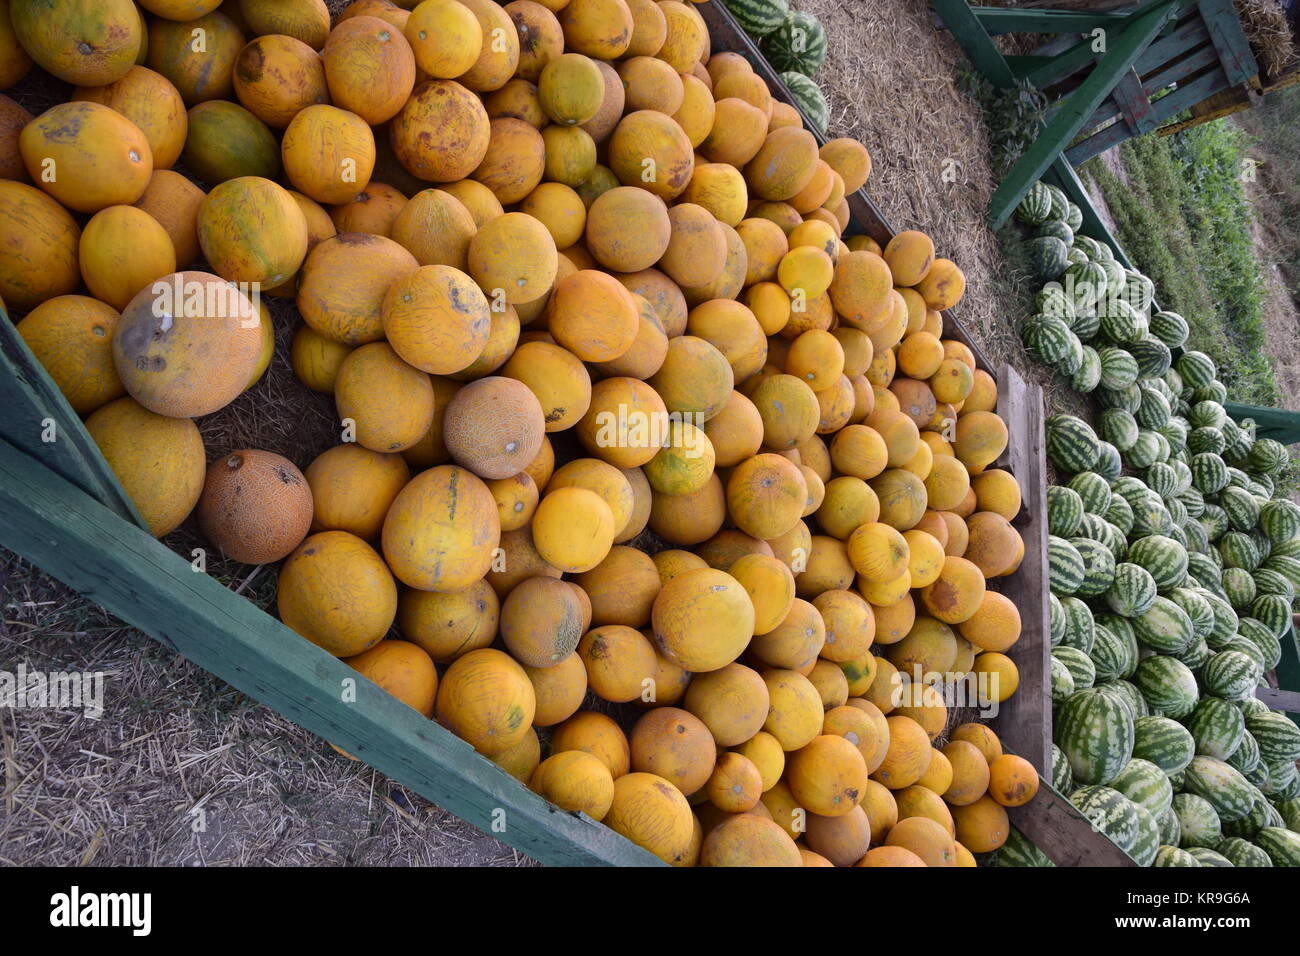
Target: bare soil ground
point(124, 789)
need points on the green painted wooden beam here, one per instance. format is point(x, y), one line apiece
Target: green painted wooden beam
point(60, 528)
point(1280, 424)
point(998, 20)
point(1288, 668)
point(1044, 71)
point(974, 40)
point(1124, 49)
point(33, 410)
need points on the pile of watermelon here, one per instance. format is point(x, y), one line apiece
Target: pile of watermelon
point(794, 42)
point(1173, 569)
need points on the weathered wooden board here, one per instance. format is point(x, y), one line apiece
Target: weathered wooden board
point(63, 530)
point(1067, 837)
point(1025, 720)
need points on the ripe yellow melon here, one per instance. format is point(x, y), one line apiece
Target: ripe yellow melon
point(187, 345)
point(675, 745)
point(445, 38)
point(795, 642)
point(736, 783)
point(435, 227)
point(649, 150)
point(328, 153)
point(784, 164)
point(795, 714)
point(403, 669)
point(442, 132)
point(514, 254)
point(789, 410)
point(87, 156)
point(159, 461)
point(573, 529)
point(275, 77)
point(628, 229)
point(389, 402)
point(747, 839)
point(38, 247)
point(593, 315)
point(256, 506)
point(850, 159)
point(342, 620)
point(560, 690)
point(771, 588)
point(352, 488)
point(486, 699)
point(152, 103)
point(732, 701)
point(908, 755)
point(702, 619)
point(909, 255)
point(436, 319)
point(1013, 781)
point(252, 230)
point(343, 282)
point(80, 42)
point(374, 209)
point(902, 498)
point(558, 379)
point(316, 359)
point(928, 840)
point(653, 814)
point(695, 377)
point(620, 662)
point(766, 495)
point(542, 621)
point(596, 734)
point(575, 781)
point(828, 776)
point(970, 773)
point(982, 826)
point(71, 336)
point(369, 67)
point(943, 285)
point(622, 588)
point(441, 530)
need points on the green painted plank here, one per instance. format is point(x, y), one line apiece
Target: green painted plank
point(1048, 71)
point(1288, 668)
point(1234, 50)
point(1280, 424)
point(1066, 122)
point(67, 533)
point(33, 405)
point(998, 20)
point(974, 40)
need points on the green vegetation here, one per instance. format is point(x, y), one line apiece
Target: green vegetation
point(1183, 218)
point(1014, 117)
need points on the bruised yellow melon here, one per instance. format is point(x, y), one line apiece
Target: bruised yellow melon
point(256, 506)
point(87, 156)
point(343, 282)
point(342, 621)
point(441, 530)
point(486, 699)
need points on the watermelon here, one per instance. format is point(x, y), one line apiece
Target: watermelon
point(1163, 557)
point(1214, 391)
point(1109, 812)
point(1161, 479)
point(1064, 511)
point(1114, 655)
point(1241, 852)
point(1277, 736)
point(1128, 695)
point(1207, 857)
point(1246, 757)
point(1164, 627)
point(1164, 742)
point(1147, 843)
point(1218, 727)
point(1238, 587)
point(1273, 611)
point(1269, 581)
point(1018, 851)
point(1080, 629)
point(1052, 300)
point(798, 44)
point(1153, 412)
point(1133, 590)
point(1269, 456)
point(1238, 550)
point(1167, 684)
point(1196, 368)
point(1109, 464)
point(1280, 520)
point(1152, 356)
point(1080, 667)
point(1058, 228)
point(1065, 566)
point(1225, 620)
point(1198, 820)
point(1260, 814)
point(1056, 618)
point(1281, 845)
point(1036, 207)
point(1227, 790)
point(1196, 655)
point(1118, 427)
point(1062, 678)
point(1095, 732)
point(1230, 674)
point(1048, 256)
point(1258, 634)
point(808, 97)
point(1119, 369)
point(1289, 810)
point(1059, 202)
point(1098, 567)
point(1062, 777)
point(1172, 856)
point(1146, 785)
point(1207, 414)
point(1170, 328)
point(1071, 443)
point(1197, 609)
point(1073, 216)
point(1241, 507)
point(758, 17)
point(1204, 439)
point(1252, 650)
point(1145, 451)
point(1288, 567)
point(1209, 473)
point(1120, 513)
point(1085, 284)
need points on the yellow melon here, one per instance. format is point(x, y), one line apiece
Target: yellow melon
point(486, 699)
point(442, 530)
point(71, 336)
point(620, 662)
point(343, 621)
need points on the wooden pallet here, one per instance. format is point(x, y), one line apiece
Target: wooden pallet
point(62, 509)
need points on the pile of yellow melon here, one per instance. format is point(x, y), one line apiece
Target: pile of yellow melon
point(623, 411)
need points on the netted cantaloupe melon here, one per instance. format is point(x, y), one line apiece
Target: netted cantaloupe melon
point(542, 621)
point(256, 506)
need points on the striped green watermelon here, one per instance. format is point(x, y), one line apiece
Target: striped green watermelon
point(1241, 852)
point(1071, 443)
point(1061, 678)
point(1109, 464)
point(1065, 566)
point(1114, 655)
point(1207, 414)
point(808, 97)
point(1145, 451)
point(1196, 655)
point(1062, 776)
point(1281, 845)
point(1230, 674)
point(1225, 620)
point(1122, 324)
point(1171, 831)
point(1151, 355)
point(1273, 611)
point(1093, 490)
point(1073, 216)
point(1118, 427)
point(1110, 812)
point(1164, 742)
point(1173, 856)
point(1196, 368)
point(798, 44)
point(1277, 736)
point(1207, 857)
point(1018, 851)
point(1080, 629)
point(1280, 520)
point(1094, 729)
point(758, 17)
point(1145, 784)
point(1127, 693)
point(1238, 551)
point(1036, 207)
point(1218, 727)
point(1078, 663)
point(1056, 618)
point(1261, 814)
point(1269, 456)
point(1052, 300)
point(1164, 628)
point(1252, 650)
point(1170, 328)
point(1198, 820)
point(1153, 412)
point(1238, 587)
point(1119, 513)
point(1119, 369)
point(1058, 228)
point(1147, 843)
point(1209, 473)
point(1049, 256)
point(1206, 438)
point(1241, 507)
point(1059, 202)
point(1281, 780)
point(1214, 391)
point(1163, 557)
point(1168, 685)
point(1161, 479)
point(1197, 609)
point(1098, 567)
point(1089, 373)
point(1258, 634)
point(1227, 790)
point(1270, 581)
point(1284, 565)
point(1133, 590)
point(1246, 757)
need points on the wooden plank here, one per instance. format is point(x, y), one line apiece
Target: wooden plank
point(34, 408)
point(975, 41)
point(1277, 699)
point(1133, 103)
point(1067, 121)
point(66, 532)
point(1188, 34)
point(1288, 676)
point(1024, 721)
point(1047, 72)
point(1063, 833)
point(998, 20)
point(1180, 70)
point(1234, 50)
